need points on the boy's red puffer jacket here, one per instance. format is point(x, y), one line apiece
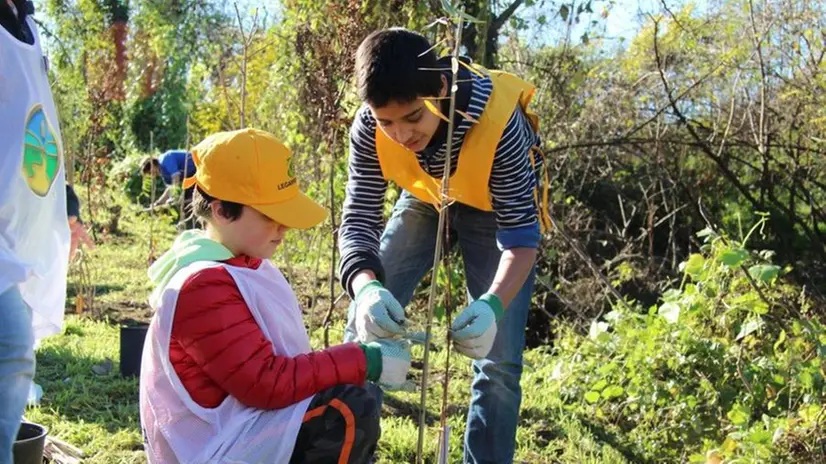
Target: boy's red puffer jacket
point(217, 349)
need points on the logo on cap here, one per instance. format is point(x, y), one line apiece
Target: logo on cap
point(290, 173)
point(290, 167)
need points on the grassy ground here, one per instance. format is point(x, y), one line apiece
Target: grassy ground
point(87, 403)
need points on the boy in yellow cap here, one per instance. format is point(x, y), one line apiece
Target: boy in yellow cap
point(228, 374)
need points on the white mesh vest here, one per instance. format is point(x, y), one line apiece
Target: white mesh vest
point(176, 428)
point(34, 231)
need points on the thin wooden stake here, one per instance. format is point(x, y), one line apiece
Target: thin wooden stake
point(437, 255)
point(331, 281)
point(153, 194)
point(444, 442)
point(182, 212)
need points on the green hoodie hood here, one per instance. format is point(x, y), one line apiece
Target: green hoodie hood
point(189, 247)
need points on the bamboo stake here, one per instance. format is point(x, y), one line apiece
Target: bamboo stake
point(444, 203)
point(334, 239)
point(444, 441)
point(182, 213)
point(153, 194)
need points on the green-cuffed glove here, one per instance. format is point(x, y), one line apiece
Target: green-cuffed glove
point(474, 330)
point(388, 362)
point(378, 313)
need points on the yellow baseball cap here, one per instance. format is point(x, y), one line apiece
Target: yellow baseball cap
point(251, 167)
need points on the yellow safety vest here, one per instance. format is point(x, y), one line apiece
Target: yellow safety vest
point(469, 183)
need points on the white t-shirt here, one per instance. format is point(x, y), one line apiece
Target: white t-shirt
point(34, 230)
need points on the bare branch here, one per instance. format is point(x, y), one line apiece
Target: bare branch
point(500, 20)
point(723, 168)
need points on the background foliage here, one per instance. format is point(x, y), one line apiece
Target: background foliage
point(668, 344)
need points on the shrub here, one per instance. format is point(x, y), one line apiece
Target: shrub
point(730, 364)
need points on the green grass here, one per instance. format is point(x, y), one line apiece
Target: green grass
point(99, 413)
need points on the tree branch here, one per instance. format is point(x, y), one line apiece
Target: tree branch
point(500, 19)
point(723, 168)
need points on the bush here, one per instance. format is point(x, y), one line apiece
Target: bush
point(730, 364)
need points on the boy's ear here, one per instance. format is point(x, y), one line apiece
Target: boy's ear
point(445, 84)
point(216, 210)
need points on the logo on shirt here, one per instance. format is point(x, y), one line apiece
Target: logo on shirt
point(41, 154)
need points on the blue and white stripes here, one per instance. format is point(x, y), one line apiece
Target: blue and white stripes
point(512, 181)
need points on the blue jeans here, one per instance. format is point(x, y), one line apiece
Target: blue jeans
point(406, 252)
point(16, 366)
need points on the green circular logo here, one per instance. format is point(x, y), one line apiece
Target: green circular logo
point(41, 154)
point(290, 167)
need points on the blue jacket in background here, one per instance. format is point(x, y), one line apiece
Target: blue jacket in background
point(175, 162)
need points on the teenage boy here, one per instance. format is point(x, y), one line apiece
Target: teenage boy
point(494, 219)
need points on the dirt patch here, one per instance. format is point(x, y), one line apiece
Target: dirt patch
point(127, 313)
point(119, 312)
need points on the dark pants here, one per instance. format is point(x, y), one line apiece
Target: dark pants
point(341, 426)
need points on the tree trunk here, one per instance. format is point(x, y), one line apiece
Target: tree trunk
point(482, 39)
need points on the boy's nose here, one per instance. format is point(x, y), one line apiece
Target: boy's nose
point(281, 231)
point(403, 135)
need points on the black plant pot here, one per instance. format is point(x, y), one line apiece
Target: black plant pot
point(28, 448)
point(131, 348)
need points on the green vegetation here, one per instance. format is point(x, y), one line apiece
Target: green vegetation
point(649, 341)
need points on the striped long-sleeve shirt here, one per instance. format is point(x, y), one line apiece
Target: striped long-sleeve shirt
point(512, 182)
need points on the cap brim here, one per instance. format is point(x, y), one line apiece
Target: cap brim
point(299, 212)
point(189, 182)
